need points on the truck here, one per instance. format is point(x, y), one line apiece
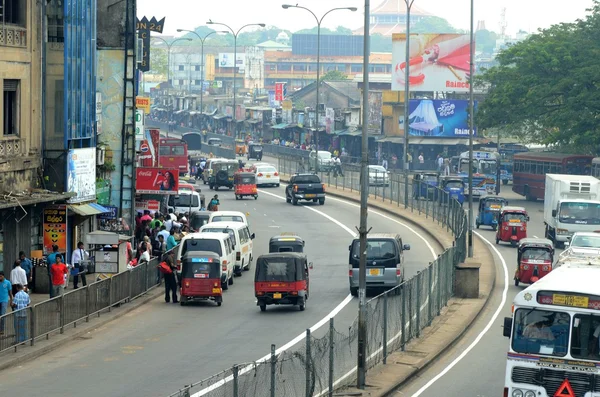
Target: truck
point(305, 187)
point(571, 204)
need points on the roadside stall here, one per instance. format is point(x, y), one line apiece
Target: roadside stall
point(108, 253)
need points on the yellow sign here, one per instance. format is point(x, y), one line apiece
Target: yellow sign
point(570, 300)
point(286, 105)
point(143, 102)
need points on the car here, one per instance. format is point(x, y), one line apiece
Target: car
point(326, 163)
point(305, 186)
point(378, 176)
point(584, 244)
point(266, 174)
point(228, 216)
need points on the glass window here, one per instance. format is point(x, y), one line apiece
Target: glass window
point(164, 151)
point(209, 245)
point(197, 68)
point(178, 150)
point(181, 67)
point(376, 249)
point(541, 332)
point(356, 69)
point(183, 200)
point(580, 213)
point(585, 341)
point(227, 218)
point(284, 67)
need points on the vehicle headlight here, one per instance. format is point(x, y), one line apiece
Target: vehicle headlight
point(562, 231)
point(517, 393)
point(529, 393)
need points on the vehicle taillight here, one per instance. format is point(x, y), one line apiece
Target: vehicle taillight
point(276, 174)
point(224, 267)
point(215, 285)
point(238, 256)
point(323, 186)
point(260, 293)
point(350, 271)
point(295, 188)
point(260, 174)
point(398, 271)
point(187, 285)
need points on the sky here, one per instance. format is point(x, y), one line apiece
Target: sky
point(528, 15)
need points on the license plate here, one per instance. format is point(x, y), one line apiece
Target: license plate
point(570, 300)
point(374, 272)
point(277, 296)
point(230, 179)
point(311, 195)
point(268, 176)
point(216, 290)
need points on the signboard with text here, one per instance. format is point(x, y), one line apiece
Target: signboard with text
point(447, 118)
point(156, 181)
point(139, 124)
point(81, 174)
point(55, 228)
point(142, 102)
point(144, 27)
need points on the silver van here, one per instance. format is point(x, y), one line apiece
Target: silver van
point(385, 261)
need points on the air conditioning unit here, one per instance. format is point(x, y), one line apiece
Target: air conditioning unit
point(100, 154)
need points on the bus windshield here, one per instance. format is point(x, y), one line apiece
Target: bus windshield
point(541, 332)
point(183, 200)
point(579, 213)
point(488, 167)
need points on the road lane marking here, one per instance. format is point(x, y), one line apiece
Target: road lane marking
point(325, 319)
point(482, 333)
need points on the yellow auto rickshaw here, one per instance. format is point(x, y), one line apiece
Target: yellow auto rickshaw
point(240, 147)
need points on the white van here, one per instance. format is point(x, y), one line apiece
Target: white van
point(228, 216)
point(185, 201)
point(219, 243)
point(242, 238)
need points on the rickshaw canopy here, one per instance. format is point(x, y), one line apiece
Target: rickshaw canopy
point(200, 265)
point(286, 243)
point(536, 243)
point(284, 267)
point(244, 178)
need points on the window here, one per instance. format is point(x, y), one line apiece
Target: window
point(585, 341)
point(270, 66)
point(284, 67)
point(12, 12)
point(541, 332)
point(164, 151)
point(197, 82)
point(197, 68)
point(356, 69)
point(181, 67)
point(177, 150)
point(55, 22)
point(10, 123)
point(180, 82)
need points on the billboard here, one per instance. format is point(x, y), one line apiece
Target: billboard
point(329, 120)
point(438, 62)
point(81, 174)
point(375, 112)
point(439, 118)
point(156, 181)
point(55, 228)
point(226, 60)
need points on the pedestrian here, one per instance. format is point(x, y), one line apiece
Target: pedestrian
point(50, 260)
point(27, 266)
point(421, 159)
point(78, 263)
point(171, 242)
point(58, 271)
point(170, 280)
point(384, 161)
point(17, 276)
point(214, 203)
point(440, 163)
point(447, 166)
point(161, 246)
point(145, 255)
point(6, 298)
point(163, 232)
point(20, 304)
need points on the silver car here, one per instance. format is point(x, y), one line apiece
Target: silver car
point(378, 176)
point(385, 261)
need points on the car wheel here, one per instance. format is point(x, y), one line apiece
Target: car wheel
point(315, 200)
point(277, 185)
point(225, 286)
point(354, 291)
point(211, 187)
point(230, 281)
point(294, 201)
point(322, 201)
point(302, 305)
point(216, 187)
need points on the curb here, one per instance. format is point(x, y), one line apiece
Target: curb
point(53, 345)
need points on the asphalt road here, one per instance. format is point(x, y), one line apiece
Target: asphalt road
point(158, 348)
point(480, 373)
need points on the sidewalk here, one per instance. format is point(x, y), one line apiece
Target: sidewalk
point(446, 329)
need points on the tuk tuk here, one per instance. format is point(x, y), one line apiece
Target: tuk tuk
point(286, 243)
point(534, 260)
point(425, 184)
point(454, 186)
point(281, 279)
point(244, 183)
point(240, 147)
point(198, 219)
point(489, 211)
point(255, 151)
point(201, 277)
point(512, 225)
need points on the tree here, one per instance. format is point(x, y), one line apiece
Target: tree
point(485, 41)
point(432, 25)
point(333, 75)
point(158, 60)
point(545, 88)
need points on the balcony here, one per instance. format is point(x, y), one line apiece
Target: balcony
point(12, 147)
point(13, 36)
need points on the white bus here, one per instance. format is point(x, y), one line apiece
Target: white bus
point(554, 346)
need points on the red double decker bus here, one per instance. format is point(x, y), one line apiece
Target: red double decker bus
point(530, 169)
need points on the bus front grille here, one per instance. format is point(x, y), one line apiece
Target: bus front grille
point(551, 380)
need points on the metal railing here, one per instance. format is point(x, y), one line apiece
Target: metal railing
point(24, 327)
point(325, 360)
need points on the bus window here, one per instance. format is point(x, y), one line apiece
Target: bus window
point(165, 151)
point(541, 332)
point(177, 150)
point(586, 330)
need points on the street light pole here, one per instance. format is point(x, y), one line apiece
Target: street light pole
point(471, 130)
point(319, 21)
point(202, 40)
point(235, 35)
point(409, 4)
point(169, 46)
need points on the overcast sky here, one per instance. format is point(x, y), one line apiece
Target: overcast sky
point(528, 15)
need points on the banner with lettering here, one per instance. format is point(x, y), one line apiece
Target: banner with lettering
point(55, 228)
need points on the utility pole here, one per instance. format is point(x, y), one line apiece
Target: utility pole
point(471, 130)
point(364, 195)
point(409, 4)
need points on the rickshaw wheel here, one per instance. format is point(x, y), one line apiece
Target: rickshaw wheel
point(237, 197)
point(516, 282)
point(301, 307)
point(263, 308)
point(218, 303)
point(494, 228)
point(256, 197)
point(477, 224)
point(182, 303)
point(497, 240)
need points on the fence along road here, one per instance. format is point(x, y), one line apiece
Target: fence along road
point(184, 344)
point(319, 363)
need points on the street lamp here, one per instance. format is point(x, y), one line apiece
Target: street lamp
point(202, 40)
point(235, 35)
point(409, 4)
point(471, 130)
point(169, 45)
point(285, 7)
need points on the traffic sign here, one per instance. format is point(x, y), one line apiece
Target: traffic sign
point(565, 390)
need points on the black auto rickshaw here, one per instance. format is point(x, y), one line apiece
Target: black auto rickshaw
point(199, 219)
point(255, 151)
point(201, 277)
point(244, 183)
point(281, 279)
point(286, 242)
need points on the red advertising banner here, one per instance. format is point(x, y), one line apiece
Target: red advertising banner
point(279, 91)
point(55, 228)
point(156, 181)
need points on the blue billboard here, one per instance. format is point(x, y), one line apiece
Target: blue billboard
point(448, 118)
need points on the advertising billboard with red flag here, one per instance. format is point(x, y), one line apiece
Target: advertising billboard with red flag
point(156, 181)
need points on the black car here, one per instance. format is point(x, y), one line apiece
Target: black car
point(305, 187)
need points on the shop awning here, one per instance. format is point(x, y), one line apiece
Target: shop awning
point(219, 116)
point(438, 141)
point(391, 139)
point(280, 126)
point(348, 133)
point(179, 111)
point(88, 209)
point(340, 132)
point(210, 113)
point(253, 121)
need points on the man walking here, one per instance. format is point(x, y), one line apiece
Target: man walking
point(6, 298)
point(58, 271)
point(77, 261)
point(17, 276)
point(51, 260)
point(20, 304)
point(27, 266)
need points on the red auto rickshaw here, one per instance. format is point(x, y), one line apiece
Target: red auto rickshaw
point(281, 279)
point(244, 183)
point(512, 225)
point(534, 260)
point(201, 277)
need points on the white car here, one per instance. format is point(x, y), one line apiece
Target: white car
point(584, 244)
point(378, 176)
point(266, 174)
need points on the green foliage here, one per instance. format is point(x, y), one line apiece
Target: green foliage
point(485, 41)
point(545, 88)
point(334, 75)
point(158, 60)
point(432, 25)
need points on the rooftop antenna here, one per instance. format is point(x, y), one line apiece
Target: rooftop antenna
point(503, 24)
